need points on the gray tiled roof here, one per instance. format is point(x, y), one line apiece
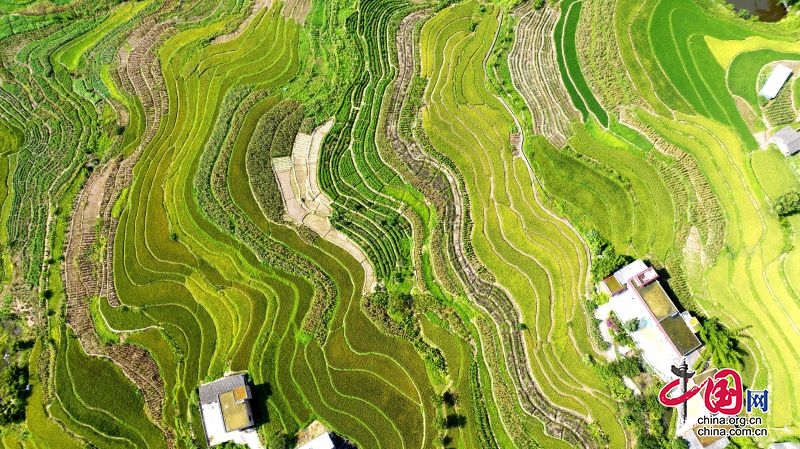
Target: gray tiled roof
point(786, 135)
point(793, 146)
point(787, 139)
point(209, 393)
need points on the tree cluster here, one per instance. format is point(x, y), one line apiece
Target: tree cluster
point(259, 159)
point(787, 204)
point(214, 198)
point(396, 314)
point(13, 380)
point(643, 413)
point(721, 344)
point(621, 331)
point(591, 305)
point(613, 372)
point(606, 260)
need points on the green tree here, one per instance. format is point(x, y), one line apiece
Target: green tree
point(647, 441)
point(13, 381)
point(278, 441)
point(788, 203)
point(605, 260)
point(232, 445)
point(722, 344)
point(680, 443)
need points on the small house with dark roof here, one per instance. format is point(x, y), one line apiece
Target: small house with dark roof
point(226, 410)
point(787, 140)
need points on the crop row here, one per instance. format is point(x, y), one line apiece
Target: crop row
point(208, 211)
point(780, 110)
point(534, 71)
point(442, 184)
point(565, 35)
point(705, 152)
point(469, 130)
point(76, 131)
point(367, 194)
point(599, 56)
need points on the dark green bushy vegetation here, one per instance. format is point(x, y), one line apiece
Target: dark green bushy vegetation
point(621, 331)
point(642, 413)
point(232, 445)
point(14, 351)
point(398, 314)
point(284, 135)
point(590, 305)
point(259, 160)
point(352, 73)
point(13, 382)
point(787, 204)
point(606, 260)
point(721, 344)
point(613, 372)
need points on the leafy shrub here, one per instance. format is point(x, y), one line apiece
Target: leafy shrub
point(631, 325)
point(232, 445)
point(597, 337)
point(283, 141)
point(722, 344)
point(680, 443)
point(620, 331)
point(788, 203)
point(597, 433)
point(13, 381)
point(605, 260)
point(396, 314)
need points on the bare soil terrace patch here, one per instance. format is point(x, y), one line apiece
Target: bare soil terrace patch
point(82, 279)
point(693, 251)
point(85, 276)
point(305, 202)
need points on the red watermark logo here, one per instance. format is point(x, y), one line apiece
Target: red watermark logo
point(722, 393)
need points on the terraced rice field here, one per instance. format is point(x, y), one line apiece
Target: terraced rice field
point(746, 283)
point(379, 210)
point(534, 71)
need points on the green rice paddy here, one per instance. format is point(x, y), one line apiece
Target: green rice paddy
point(146, 248)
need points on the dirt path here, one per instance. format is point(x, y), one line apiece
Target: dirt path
point(84, 262)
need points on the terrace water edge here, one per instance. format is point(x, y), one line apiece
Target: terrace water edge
point(765, 10)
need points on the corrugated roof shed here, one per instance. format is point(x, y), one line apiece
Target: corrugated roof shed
point(630, 271)
point(321, 442)
point(775, 81)
point(787, 140)
point(209, 393)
